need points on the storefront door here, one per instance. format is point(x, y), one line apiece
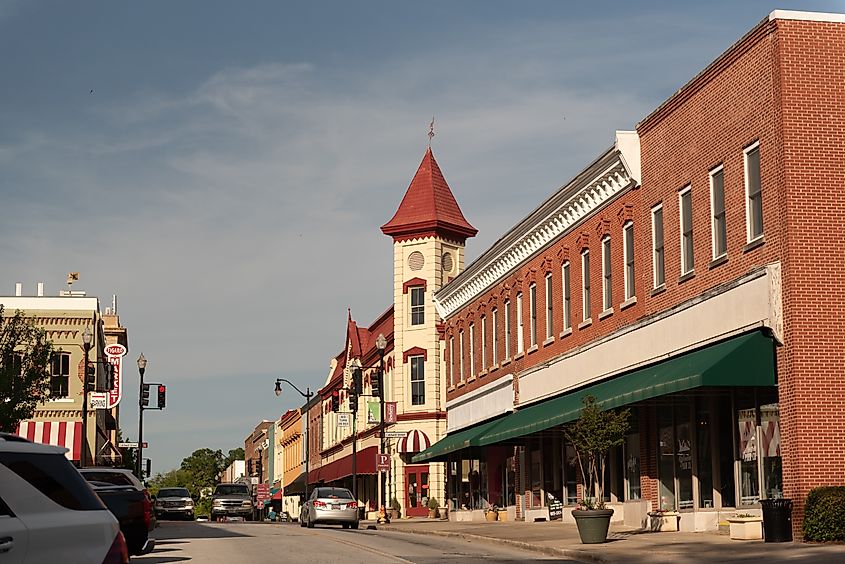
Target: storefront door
point(417, 490)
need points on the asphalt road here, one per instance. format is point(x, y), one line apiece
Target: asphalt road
point(232, 543)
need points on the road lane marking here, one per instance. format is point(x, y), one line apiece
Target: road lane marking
point(365, 547)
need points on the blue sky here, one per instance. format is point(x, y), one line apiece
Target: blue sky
point(228, 174)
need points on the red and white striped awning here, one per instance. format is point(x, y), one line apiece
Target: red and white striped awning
point(414, 441)
point(66, 434)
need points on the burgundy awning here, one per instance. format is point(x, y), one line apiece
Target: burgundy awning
point(343, 467)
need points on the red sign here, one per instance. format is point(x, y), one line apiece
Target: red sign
point(262, 492)
point(382, 462)
point(114, 354)
point(390, 412)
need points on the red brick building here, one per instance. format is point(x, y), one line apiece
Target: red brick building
point(692, 273)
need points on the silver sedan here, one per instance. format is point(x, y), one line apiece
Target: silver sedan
point(331, 506)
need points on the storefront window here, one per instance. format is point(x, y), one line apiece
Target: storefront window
point(570, 475)
point(703, 452)
point(632, 466)
point(749, 485)
point(536, 484)
point(510, 481)
point(666, 462)
point(552, 483)
point(727, 482)
point(770, 437)
point(684, 455)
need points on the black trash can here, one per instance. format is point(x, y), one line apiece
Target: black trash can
point(777, 520)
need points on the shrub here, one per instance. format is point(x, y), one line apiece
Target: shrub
point(824, 514)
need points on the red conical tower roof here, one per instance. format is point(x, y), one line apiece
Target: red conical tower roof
point(429, 208)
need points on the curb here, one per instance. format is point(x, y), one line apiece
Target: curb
point(577, 554)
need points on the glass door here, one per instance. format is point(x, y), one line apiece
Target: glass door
point(417, 488)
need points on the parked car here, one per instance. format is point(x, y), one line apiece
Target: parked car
point(129, 501)
point(231, 500)
point(331, 506)
point(174, 501)
point(48, 513)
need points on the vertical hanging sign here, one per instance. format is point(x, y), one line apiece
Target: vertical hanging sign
point(114, 354)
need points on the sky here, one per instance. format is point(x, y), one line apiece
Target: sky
point(224, 167)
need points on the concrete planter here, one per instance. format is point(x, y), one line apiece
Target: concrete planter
point(503, 515)
point(663, 521)
point(492, 515)
point(592, 524)
point(746, 528)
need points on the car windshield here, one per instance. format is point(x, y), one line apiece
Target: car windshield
point(173, 492)
point(113, 478)
point(334, 493)
point(234, 489)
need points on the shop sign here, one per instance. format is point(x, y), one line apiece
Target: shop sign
point(382, 462)
point(555, 511)
point(390, 412)
point(114, 355)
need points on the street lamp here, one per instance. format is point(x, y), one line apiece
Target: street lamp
point(381, 345)
point(87, 337)
point(307, 395)
point(142, 367)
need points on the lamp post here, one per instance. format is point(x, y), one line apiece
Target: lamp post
point(87, 337)
point(142, 367)
point(307, 395)
point(381, 344)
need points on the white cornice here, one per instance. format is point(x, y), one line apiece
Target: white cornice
point(807, 16)
point(614, 171)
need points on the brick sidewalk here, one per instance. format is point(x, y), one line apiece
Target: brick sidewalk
point(624, 545)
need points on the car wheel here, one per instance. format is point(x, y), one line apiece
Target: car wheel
point(190, 516)
point(310, 524)
point(356, 525)
point(345, 525)
point(301, 522)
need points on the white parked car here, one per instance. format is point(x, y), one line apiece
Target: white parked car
point(49, 513)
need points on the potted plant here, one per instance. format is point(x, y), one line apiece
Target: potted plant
point(663, 520)
point(746, 526)
point(395, 509)
point(433, 504)
point(592, 435)
point(491, 513)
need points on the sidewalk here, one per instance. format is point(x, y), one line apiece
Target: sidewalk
point(624, 544)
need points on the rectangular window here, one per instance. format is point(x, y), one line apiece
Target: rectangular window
point(461, 356)
point(417, 305)
point(508, 329)
point(717, 207)
point(606, 275)
point(753, 193)
point(452, 361)
point(685, 209)
point(567, 297)
point(472, 350)
point(483, 342)
point(658, 264)
point(417, 380)
point(585, 283)
point(532, 310)
point(628, 241)
point(495, 334)
point(550, 320)
point(520, 325)
point(60, 375)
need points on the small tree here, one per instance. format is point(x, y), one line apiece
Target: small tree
point(25, 355)
point(592, 436)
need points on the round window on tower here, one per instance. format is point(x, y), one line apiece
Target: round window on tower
point(416, 261)
point(447, 262)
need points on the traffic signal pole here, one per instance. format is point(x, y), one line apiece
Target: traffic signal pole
point(142, 366)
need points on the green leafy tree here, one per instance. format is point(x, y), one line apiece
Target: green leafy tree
point(25, 354)
point(202, 469)
point(172, 479)
point(593, 435)
point(234, 454)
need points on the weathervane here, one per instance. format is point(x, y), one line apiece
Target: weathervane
point(431, 131)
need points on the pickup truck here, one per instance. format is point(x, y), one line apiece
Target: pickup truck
point(231, 500)
point(128, 500)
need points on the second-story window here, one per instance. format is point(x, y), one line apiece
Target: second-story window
point(417, 305)
point(472, 350)
point(585, 284)
point(753, 192)
point(606, 275)
point(628, 241)
point(550, 324)
point(658, 255)
point(452, 361)
point(687, 250)
point(508, 329)
point(461, 356)
point(532, 310)
point(520, 325)
point(483, 342)
point(59, 376)
point(717, 207)
point(494, 326)
point(567, 297)
point(417, 380)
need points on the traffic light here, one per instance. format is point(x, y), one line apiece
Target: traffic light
point(335, 401)
point(91, 375)
point(149, 467)
point(258, 467)
point(357, 381)
point(375, 382)
point(109, 376)
point(145, 395)
point(249, 467)
point(162, 395)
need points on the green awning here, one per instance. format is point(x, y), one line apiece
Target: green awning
point(454, 442)
point(746, 360)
